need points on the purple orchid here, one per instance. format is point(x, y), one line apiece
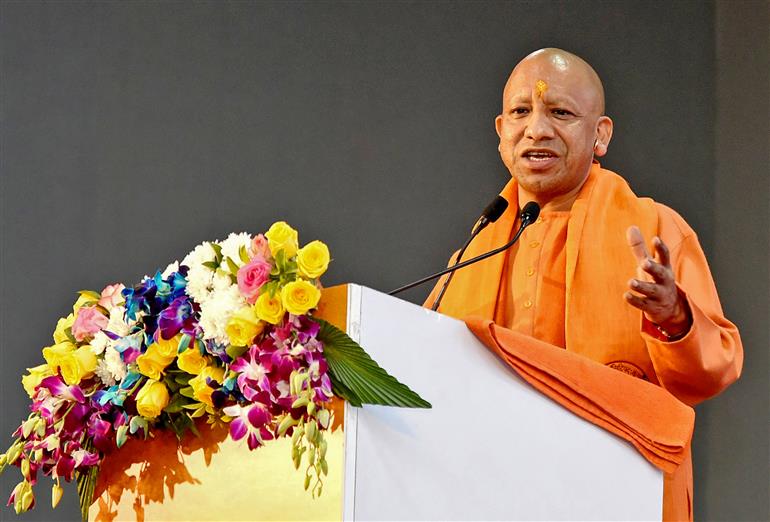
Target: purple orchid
point(253, 376)
point(179, 316)
point(250, 421)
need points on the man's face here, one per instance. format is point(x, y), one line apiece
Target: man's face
point(550, 121)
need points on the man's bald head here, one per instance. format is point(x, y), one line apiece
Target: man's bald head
point(552, 125)
point(570, 67)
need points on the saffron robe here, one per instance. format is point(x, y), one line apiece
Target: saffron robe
point(597, 322)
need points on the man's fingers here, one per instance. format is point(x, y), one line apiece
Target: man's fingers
point(651, 290)
point(636, 242)
point(634, 300)
point(659, 273)
point(662, 250)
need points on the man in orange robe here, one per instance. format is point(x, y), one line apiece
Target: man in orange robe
point(582, 277)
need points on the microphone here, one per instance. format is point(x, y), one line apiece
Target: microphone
point(493, 211)
point(527, 217)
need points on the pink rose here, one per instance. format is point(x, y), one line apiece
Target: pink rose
point(88, 321)
point(251, 276)
point(111, 296)
point(259, 247)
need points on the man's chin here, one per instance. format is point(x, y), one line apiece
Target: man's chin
point(536, 182)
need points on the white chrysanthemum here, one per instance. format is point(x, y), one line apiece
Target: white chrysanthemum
point(200, 254)
point(232, 245)
point(115, 364)
point(111, 369)
point(221, 281)
point(117, 323)
point(104, 374)
point(99, 343)
point(170, 269)
point(199, 283)
point(216, 312)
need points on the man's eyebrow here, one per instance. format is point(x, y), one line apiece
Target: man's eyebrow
point(557, 99)
point(520, 98)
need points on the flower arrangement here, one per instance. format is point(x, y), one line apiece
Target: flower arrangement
point(227, 334)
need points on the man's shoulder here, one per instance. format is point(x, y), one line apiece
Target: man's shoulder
point(672, 227)
point(670, 223)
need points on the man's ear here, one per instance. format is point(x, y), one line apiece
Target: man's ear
point(498, 128)
point(603, 135)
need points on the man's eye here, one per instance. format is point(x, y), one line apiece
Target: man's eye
point(561, 112)
point(519, 110)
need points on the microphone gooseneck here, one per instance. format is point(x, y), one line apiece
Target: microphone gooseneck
point(527, 216)
point(491, 214)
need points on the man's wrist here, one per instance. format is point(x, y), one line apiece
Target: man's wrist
point(677, 327)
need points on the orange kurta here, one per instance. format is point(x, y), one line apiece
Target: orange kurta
point(585, 250)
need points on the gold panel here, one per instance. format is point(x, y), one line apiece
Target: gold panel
point(213, 478)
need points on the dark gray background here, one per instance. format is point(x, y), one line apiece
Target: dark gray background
point(132, 131)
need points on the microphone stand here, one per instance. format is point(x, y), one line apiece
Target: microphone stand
point(440, 296)
point(526, 221)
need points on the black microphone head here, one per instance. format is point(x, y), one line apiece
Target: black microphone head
point(529, 213)
point(495, 209)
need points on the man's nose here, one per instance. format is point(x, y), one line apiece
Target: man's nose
point(538, 126)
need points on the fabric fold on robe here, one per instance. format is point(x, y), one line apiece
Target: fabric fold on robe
point(646, 415)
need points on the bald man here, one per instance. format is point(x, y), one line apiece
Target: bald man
point(603, 273)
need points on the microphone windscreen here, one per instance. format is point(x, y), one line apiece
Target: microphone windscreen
point(495, 209)
point(530, 212)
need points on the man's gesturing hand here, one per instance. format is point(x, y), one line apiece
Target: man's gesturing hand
point(659, 298)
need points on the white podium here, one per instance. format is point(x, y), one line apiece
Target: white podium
point(491, 448)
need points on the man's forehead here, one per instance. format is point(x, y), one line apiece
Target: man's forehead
point(554, 76)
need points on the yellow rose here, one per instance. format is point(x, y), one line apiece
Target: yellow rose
point(281, 236)
point(191, 361)
point(34, 377)
point(300, 296)
point(313, 259)
point(54, 355)
point(65, 322)
point(244, 326)
point(167, 348)
point(82, 300)
point(151, 399)
point(201, 390)
point(269, 309)
point(78, 365)
point(152, 362)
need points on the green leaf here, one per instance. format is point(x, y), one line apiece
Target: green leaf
point(232, 266)
point(182, 378)
point(281, 261)
point(68, 333)
point(179, 423)
point(86, 484)
point(211, 264)
point(121, 435)
point(193, 427)
point(136, 423)
point(270, 288)
point(236, 351)
point(357, 377)
point(243, 254)
point(184, 342)
point(176, 405)
point(187, 392)
point(217, 251)
point(171, 384)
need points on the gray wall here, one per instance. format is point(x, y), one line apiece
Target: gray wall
point(132, 131)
